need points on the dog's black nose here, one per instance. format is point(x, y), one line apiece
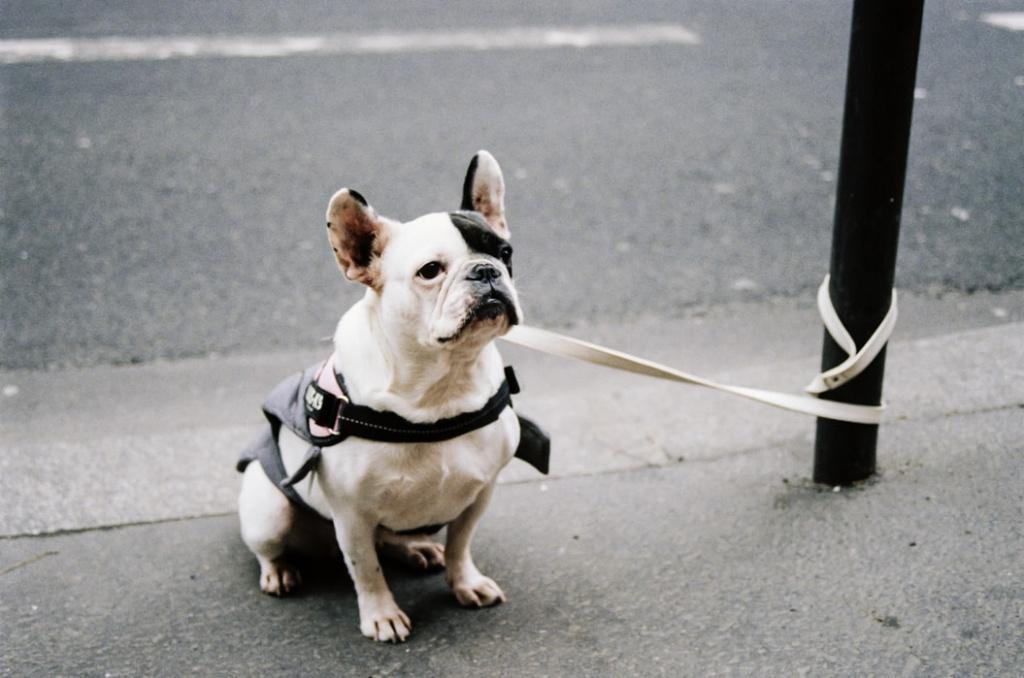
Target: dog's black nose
point(483, 273)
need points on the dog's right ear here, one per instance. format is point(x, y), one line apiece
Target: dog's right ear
point(357, 236)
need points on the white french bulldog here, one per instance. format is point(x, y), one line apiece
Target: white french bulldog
point(419, 344)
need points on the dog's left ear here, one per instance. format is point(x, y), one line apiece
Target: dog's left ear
point(356, 234)
point(484, 191)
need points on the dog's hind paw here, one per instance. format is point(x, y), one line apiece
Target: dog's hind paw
point(278, 578)
point(425, 555)
point(417, 552)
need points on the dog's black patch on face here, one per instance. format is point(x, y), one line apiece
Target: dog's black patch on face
point(359, 197)
point(479, 236)
point(467, 185)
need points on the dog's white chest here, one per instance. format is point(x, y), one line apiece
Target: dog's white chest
point(403, 486)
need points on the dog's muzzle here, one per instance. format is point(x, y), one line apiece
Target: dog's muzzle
point(493, 304)
point(494, 298)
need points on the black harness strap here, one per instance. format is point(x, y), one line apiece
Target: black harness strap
point(347, 419)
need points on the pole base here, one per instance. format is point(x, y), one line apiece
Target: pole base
point(844, 453)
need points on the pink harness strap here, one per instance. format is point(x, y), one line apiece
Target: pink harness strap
point(327, 381)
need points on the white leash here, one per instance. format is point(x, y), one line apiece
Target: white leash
point(561, 345)
point(857, 360)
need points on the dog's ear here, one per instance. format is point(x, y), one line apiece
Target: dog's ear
point(356, 235)
point(484, 191)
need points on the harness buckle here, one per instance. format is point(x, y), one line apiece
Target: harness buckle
point(342, 401)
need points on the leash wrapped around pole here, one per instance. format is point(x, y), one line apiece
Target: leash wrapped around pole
point(858, 360)
point(553, 343)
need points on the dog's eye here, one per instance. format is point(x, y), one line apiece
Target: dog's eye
point(431, 270)
point(505, 254)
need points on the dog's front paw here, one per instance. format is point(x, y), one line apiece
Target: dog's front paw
point(384, 622)
point(477, 591)
point(278, 578)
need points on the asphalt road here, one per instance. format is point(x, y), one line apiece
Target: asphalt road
point(158, 209)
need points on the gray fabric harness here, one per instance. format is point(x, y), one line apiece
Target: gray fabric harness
point(294, 403)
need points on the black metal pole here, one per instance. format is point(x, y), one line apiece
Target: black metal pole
point(884, 44)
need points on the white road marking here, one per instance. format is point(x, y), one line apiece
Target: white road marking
point(262, 46)
point(1011, 21)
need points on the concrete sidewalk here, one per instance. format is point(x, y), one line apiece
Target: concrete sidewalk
point(730, 567)
point(679, 535)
